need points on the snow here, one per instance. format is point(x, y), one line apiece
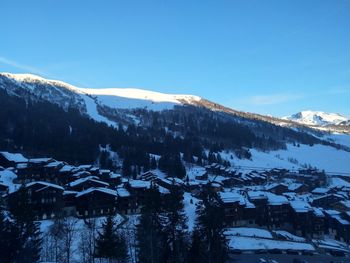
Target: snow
point(338, 182)
point(317, 118)
point(122, 192)
point(91, 108)
point(250, 243)
point(99, 189)
point(139, 184)
point(14, 157)
point(89, 178)
point(45, 184)
point(7, 177)
point(190, 210)
point(128, 98)
point(323, 157)
point(289, 236)
point(248, 232)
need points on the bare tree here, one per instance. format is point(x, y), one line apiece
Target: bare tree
point(87, 241)
point(68, 235)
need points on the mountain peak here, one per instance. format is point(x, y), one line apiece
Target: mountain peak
point(318, 118)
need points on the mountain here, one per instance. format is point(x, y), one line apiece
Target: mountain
point(79, 125)
point(318, 118)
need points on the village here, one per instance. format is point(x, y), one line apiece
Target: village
point(302, 212)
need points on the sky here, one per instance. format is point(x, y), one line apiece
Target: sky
point(270, 57)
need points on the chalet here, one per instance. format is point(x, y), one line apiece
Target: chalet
point(338, 227)
point(82, 184)
point(259, 200)
point(301, 218)
point(277, 188)
point(318, 223)
point(327, 201)
point(125, 202)
point(34, 170)
point(298, 188)
point(148, 176)
point(321, 191)
point(137, 189)
point(96, 202)
point(114, 179)
point(236, 209)
point(278, 210)
point(45, 198)
point(69, 203)
point(342, 206)
point(11, 159)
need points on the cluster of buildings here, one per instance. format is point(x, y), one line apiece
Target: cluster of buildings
point(300, 202)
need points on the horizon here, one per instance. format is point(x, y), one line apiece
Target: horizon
point(273, 58)
point(135, 88)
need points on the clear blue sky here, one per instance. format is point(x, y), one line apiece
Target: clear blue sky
point(271, 57)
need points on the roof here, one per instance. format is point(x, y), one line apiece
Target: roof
point(40, 160)
point(300, 206)
point(67, 168)
point(231, 197)
point(14, 157)
point(89, 178)
point(122, 192)
point(45, 185)
point(320, 190)
point(98, 189)
point(294, 186)
point(139, 184)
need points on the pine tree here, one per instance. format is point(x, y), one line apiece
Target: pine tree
point(195, 252)
point(106, 242)
point(9, 243)
point(150, 238)
point(175, 227)
point(29, 231)
point(210, 224)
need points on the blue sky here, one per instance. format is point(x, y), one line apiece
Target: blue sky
point(271, 57)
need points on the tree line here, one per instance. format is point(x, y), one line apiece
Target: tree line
point(158, 234)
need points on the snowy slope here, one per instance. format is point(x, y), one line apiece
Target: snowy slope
point(62, 93)
point(323, 157)
point(318, 118)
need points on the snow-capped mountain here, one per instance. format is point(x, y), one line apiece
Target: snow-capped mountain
point(91, 101)
point(318, 118)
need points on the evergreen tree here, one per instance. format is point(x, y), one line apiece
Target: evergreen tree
point(195, 252)
point(150, 237)
point(110, 244)
point(175, 227)
point(9, 242)
point(210, 224)
point(29, 234)
point(126, 167)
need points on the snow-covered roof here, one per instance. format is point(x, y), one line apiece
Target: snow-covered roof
point(231, 197)
point(139, 184)
point(89, 178)
point(54, 164)
point(122, 192)
point(14, 157)
point(40, 160)
point(300, 206)
point(294, 186)
point(45, 185)
point(320, 190)
point(98, 189)
point(66, 168)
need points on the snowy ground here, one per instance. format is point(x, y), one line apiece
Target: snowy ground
point(190, 210)
point(251, 243)
point(322, 157)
